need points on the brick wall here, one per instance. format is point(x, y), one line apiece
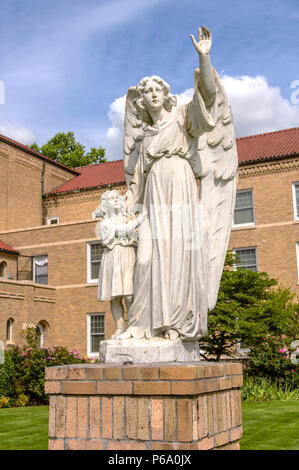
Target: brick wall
point(10, 261)
point(76, 206)
point(167, 406)
point(21, 188)
point(275, 232)
point(26, 303)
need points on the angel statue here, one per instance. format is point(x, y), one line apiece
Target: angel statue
point(183, 241)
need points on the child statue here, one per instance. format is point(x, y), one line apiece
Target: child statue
point(118, 236)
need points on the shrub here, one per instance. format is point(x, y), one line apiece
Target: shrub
point(272, 358)
point(4, 402)
point(258, 389)
point(250, 305)
point(7, 376)
point(22, 376)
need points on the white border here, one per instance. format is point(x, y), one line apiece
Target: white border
point(294, 200)
point(89, 315)
point(88, 257)
point(297, 256)
point(52, 218)
point(33, 267)
point(246, 224)
point(41, 330)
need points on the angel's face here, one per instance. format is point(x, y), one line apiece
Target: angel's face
point(153, 96)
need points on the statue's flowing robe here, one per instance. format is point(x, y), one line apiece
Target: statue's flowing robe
point(170, 278)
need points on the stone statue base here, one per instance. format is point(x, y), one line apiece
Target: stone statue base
point(142, 351)
point(175, 406)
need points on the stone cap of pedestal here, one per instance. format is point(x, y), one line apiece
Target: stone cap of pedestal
point(143, 379)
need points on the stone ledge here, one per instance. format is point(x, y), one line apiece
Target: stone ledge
point(153, 387)
point(166, 371)
point(174, 379)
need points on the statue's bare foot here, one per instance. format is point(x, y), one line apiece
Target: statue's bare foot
point(171, 334)
point(118, 332)
point(126, 335)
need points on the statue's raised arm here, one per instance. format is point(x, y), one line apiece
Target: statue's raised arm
point(207, 83)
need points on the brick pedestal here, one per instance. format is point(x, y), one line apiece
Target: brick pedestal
point(194, 406)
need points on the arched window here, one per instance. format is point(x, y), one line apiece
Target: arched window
point(42, 328)
point(40, 335)
point(9, 325)
point(2, 268)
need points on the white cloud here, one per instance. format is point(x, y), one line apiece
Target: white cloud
point(114, 136)
point(20, 134)
point(257, 107)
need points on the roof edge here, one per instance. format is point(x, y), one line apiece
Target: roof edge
point(268, 159)
point(25, 148)
point(12, 252)
point(267, 133)
point(83, 189)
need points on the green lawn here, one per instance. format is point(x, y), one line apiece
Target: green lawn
point(24, 428)
point(270, 426)
point(267, 426)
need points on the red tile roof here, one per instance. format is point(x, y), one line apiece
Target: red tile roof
point(93, 176)
point(254, 148)
point(272, 145)
point(9, 249)
point(27, 149)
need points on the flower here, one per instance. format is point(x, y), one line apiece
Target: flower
point(292, 370)
point(283, 336)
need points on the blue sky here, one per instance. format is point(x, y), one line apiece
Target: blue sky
point(67, 63)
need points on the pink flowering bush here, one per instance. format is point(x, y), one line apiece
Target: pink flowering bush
point(27, 375)
point(273, 358)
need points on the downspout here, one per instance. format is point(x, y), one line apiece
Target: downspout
point(42, 190)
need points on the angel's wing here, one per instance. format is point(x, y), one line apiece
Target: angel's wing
point(133, 135)
point(218, 168)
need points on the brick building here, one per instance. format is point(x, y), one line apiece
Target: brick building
point(50, 255)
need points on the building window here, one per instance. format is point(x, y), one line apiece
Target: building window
point(52, 220)
point(40, 269)
point(94, 256)
point(247, 257)
point(96, 214)
point(297, 253)
point(40, 335)
point(2, 268)
point(244, 208)
point(296, 200)
point(243, 348)
point(9, 325)
point(42, 332)
point(95, 332)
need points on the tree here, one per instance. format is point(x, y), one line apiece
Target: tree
point(64, 148)
point(250, 306)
